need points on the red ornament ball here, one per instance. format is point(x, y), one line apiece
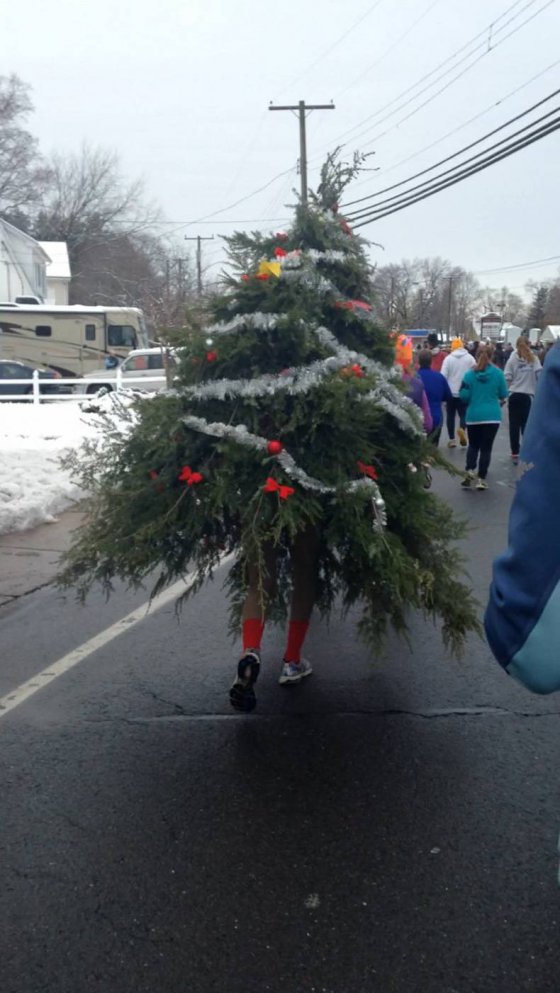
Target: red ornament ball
point(280, 253)
point(245, 277)
point(211, 356)
point(275, 447)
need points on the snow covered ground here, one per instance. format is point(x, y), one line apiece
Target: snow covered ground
point(33, 486)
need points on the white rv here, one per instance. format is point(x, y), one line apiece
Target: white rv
point(70, 340)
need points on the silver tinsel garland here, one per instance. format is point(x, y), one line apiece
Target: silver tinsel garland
point(245, 322)
point(240, 434)
point(303, 378)
point(303, 268)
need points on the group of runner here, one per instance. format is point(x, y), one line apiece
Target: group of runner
point(474, 388)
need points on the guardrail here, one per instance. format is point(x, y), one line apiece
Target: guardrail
point(35, 396)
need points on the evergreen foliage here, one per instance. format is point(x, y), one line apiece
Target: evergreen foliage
point(268, 369)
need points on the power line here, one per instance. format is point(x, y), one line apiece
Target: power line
point(388, 51)
point(458, 177)
point(454, 171)
point(517, 265)
point(447, 85)
point(330, 49)
point(460, 151)
point(471, 120)
point(235, 220)
point(481, 35)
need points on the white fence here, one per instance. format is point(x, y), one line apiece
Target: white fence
point(117, 382)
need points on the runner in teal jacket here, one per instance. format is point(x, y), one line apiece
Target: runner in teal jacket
point(484, 390)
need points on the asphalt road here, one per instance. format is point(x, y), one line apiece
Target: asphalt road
point(387, 826)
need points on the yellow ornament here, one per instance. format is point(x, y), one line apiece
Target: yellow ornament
point(270, 269)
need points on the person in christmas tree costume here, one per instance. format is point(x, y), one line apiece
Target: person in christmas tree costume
point(290, 442)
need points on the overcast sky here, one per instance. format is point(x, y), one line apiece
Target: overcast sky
point(180, 89)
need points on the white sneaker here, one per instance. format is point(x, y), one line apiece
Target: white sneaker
point(294, 672)
point(481, 484)
point(452, 443)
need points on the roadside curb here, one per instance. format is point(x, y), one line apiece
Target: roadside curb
point(29, 560)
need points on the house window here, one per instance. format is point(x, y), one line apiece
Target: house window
point(43, 331)
point(90, 332)
point(39, 277)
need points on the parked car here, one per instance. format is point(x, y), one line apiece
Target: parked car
point(141, 363)
point(12, 369)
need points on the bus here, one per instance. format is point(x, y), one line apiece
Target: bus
point(71, 340)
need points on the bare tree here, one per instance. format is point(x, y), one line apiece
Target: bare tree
point(23, 174)
point(88, 198)
point(106, 223)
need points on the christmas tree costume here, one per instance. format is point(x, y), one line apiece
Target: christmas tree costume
point(289, 442)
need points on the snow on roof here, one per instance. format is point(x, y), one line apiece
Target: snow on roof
point(59, 266)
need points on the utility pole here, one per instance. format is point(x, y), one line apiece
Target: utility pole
point(301, 108)
point(199, 239)
point(180, 282)
point(450, 280)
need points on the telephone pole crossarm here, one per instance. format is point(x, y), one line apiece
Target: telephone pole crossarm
point(301, 108)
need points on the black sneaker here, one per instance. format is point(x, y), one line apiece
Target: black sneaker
point(242, 695)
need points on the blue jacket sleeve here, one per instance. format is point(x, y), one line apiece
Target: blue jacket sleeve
point(523, 615)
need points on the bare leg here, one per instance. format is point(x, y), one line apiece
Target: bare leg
point(304, 556)
point(261, 587)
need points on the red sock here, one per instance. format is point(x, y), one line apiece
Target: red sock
point(296, 637)
point(252, 633)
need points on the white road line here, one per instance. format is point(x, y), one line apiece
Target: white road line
point(22, 693)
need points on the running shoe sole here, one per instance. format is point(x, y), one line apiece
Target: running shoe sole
point(242, 694)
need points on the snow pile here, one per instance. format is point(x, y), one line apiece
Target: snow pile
point(33, 486)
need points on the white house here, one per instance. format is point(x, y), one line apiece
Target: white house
point(23, 265)
point(58, 272)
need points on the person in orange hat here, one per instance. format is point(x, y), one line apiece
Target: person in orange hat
point(404, 354)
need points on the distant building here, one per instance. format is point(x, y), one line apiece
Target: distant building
point(58, 272)
point(550, 334)
point(23, 265)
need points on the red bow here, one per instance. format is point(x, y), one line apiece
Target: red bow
point(271, 486)
point(189, 477)
point(280, 253)
point(263, 276)
point(357, 370)
point(368, 470)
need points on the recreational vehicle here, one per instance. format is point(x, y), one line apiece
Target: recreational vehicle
point(71, 340)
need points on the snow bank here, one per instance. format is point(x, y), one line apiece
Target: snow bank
point(33, 486)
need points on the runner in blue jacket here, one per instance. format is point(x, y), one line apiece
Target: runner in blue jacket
point(523, 615)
